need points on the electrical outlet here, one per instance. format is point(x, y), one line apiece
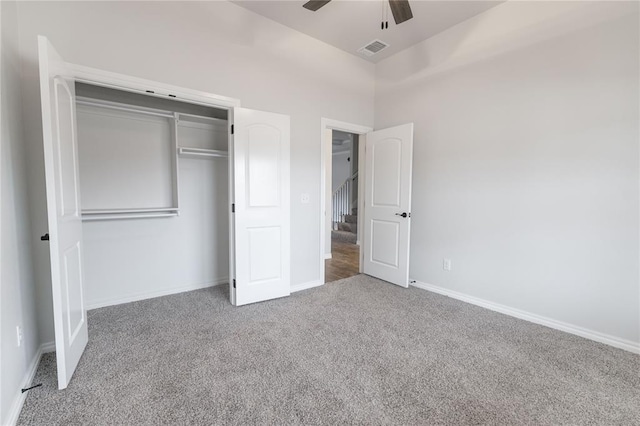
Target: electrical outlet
point(304, 198)
point(19, 335)
point(446, 264)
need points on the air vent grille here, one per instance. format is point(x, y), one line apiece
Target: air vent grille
point(372, 48)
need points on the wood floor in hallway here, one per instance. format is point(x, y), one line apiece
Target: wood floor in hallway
point(344, 262)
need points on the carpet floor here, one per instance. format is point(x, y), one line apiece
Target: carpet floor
point(358, 351)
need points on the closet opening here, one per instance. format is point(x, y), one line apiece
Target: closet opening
point(154, 194)
point(155, 189)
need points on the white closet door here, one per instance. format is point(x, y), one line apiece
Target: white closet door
point(63, 205)
point(261, 197)
point(387, 212)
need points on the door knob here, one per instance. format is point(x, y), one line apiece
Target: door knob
point(403, 214)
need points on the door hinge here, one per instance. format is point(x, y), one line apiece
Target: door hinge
point(234, 283)
point(232, 129)
point(233, 208)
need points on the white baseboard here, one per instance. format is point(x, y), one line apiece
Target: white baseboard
point(18, 400)
point(48, 347)
point(327, 256)
point(607, 339)
point(152, 294)
point(305, 286)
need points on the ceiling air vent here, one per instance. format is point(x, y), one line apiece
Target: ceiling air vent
point(372, 48)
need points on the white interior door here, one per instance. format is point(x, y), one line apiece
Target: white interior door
point(63, 205)
point(261, 197)
point(387, 212)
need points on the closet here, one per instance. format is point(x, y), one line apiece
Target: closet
point(154, 185)
point(154, 189)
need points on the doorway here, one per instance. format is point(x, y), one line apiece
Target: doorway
point(341, 230)
point(344, 261)
point(383, 200)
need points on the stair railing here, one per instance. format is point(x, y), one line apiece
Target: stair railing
point(341, 202)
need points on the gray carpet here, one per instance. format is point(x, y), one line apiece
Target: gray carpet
point(357, 351)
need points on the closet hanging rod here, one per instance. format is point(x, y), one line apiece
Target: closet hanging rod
point(124, 211)
point(127, 216)
point(203, 152)
point(158, 113)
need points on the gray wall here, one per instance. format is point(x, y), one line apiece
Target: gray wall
point(526, 159)
point(17, 298)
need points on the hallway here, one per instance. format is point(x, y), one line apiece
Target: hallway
point(344, 262)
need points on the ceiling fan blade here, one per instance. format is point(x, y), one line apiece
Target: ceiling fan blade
point(401, 10)
point(315, 4)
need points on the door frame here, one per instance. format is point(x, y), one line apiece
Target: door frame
point(361, 131)
point(147, 87)
point(124, 82)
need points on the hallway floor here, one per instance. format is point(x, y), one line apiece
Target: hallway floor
point(344, 262)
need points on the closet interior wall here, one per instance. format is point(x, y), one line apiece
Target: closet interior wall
point(154, 194)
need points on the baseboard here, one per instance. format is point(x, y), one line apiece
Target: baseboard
point(327, 256)
point(18, 401)
point(305, 286)
point(152, 294)
point(48, 347)
point(607, 339)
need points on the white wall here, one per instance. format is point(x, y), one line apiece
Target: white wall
point(526, 159)
point(17, 304)
point(217, 47)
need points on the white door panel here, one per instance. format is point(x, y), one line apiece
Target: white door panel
point(261, 197)
point(387, 196)
point(63, 205)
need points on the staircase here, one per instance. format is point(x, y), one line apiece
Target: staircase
point(344, 218)
point(347, 230)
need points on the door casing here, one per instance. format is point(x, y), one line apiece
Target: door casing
point(361, 131)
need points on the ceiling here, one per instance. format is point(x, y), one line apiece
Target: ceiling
point(352, 24)
point(341, 141)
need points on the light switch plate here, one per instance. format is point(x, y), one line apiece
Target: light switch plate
point(304, 198)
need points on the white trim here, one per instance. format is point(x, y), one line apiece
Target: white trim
point(607, 339)
point(343, 126)
point(142, 86)
point(327, 123)
point(18, 400)
point(362, 195)
point(48, 347)
point(306, 286)
point(153, 294)
point(328, 256)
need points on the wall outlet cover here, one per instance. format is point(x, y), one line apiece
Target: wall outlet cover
point(19, 335)
point(446, 264)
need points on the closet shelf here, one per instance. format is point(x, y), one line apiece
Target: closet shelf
point(199, 152)
point(125, 211)
point(123, 107)
point(92, 218)
point(117, 214)
point(182, 116)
